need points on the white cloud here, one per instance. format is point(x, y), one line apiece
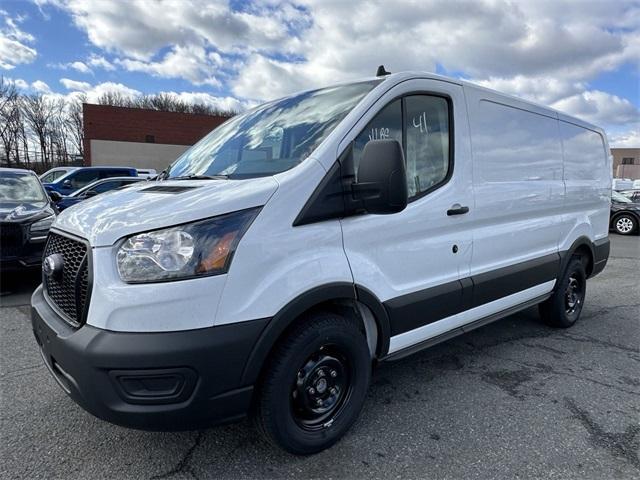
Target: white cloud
point(520, 45)
point(201, 98)
point(15, 43)
point(96, 91)
point(544, 50)
point(18, 82)
point(139, 33)
point(190, 62)
point(40, 87)
point(99, 61)
point(600, 108)
point(80, 67)
point(545, 90)
point(628, 139)
point(75, 85)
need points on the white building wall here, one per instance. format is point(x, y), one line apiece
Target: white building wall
point(134, 154)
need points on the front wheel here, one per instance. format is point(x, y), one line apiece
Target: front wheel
point(563, 308)
point(625, 224)
point(314, 384)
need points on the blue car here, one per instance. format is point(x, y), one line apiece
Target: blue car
point(96, 188)
point(80, 177)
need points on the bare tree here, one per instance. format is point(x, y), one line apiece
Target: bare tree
point(114, 99)
point(75, 123)
point(50, 129)
point(38, 113)
point(10, 120)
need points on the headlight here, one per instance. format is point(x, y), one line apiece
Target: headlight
point(185, 251)
point(42, 226)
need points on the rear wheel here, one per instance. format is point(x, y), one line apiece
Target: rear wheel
point(563, 308)
point(625, 224)
point(314, 384)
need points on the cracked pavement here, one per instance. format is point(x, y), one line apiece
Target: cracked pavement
point(514, 399)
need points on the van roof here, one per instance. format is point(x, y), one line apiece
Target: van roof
point(407, 75)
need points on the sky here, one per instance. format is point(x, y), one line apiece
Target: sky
point(581, 57)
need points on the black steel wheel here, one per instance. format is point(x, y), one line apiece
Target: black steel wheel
point(321, 388)
point(564, 306)
point(314, 384)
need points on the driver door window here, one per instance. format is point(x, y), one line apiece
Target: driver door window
point(421, 124)
point(386, 125)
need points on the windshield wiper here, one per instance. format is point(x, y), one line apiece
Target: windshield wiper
point(199, 177)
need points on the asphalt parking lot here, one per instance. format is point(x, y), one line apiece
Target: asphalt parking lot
point(515, 399)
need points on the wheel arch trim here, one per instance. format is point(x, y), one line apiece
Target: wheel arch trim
point(317, 296)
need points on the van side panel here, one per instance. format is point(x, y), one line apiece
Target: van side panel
point(587, 178)
point(518, 185)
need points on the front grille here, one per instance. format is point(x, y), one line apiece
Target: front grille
point(69, 291)
point(11, 240)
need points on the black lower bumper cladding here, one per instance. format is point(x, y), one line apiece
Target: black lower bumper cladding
point(151, 381)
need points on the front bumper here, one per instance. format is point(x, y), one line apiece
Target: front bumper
point(179, 380)
point(29, 256)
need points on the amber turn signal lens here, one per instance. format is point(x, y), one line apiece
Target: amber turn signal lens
point(218, 255)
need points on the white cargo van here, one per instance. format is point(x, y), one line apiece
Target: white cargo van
point(307, 239)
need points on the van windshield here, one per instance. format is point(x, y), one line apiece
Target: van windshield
point(271, 138)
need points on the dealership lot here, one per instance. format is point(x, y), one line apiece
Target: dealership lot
point(513, 399)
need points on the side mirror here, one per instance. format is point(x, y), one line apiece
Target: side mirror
point(54, 196)
point(382, 178)
point(90, 193)
point(67, 183)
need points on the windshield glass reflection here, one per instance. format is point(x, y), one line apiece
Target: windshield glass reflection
point(273, 137)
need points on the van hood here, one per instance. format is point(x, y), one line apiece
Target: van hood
point(144, 206)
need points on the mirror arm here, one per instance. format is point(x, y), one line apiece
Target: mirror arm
point(365, 190)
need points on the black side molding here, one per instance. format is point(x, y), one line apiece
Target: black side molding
point(423, 307)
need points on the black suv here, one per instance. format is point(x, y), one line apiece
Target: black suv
point(625, 214)
point(26, 213)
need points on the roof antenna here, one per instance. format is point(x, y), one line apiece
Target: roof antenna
point(382, 72)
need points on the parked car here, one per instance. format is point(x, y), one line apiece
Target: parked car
point(633, 195)
point(96, 188)
point(147, 172)
point(622, 184)
point(625, 214)
point(53, 174)
point(26, 213)
point(310, 238)
point(83, 176)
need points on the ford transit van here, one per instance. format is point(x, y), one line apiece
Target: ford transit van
point(302, 242)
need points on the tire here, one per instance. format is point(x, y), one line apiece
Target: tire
point(625, 224)
point(563, 308)
point(314, 384)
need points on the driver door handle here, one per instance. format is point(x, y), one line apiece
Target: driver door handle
point(457, 209)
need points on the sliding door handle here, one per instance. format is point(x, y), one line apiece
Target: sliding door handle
point(457, 209)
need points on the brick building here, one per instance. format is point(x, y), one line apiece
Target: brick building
point(140, 138)
point(626, 162)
